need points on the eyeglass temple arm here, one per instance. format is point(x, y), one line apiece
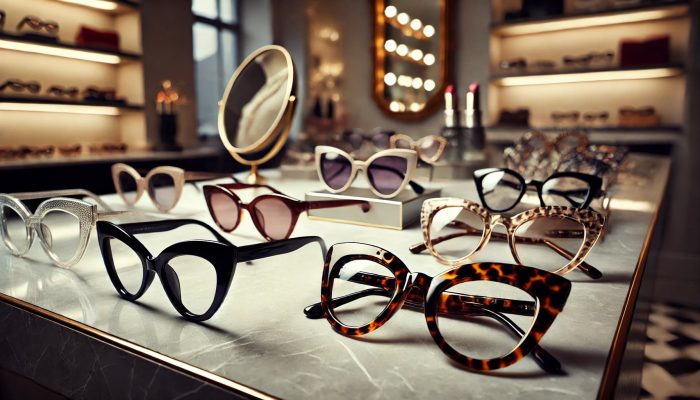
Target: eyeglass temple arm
point(318, 205)
point(240, 185)
point(64, 192)
point(202, 176)
point(137, 228)
point(277, 247)
point(458, 303)
point(586, 268)
point(483, 306)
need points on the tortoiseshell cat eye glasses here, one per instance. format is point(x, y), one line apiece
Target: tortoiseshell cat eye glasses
point(483, 316)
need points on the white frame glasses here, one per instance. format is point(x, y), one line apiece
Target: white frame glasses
point(410, 155)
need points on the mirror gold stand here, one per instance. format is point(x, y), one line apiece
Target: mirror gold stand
point(256, 112)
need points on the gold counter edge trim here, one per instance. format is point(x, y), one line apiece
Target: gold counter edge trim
point(613, 363)
point(138, 350)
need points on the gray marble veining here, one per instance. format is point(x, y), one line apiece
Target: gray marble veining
point(261, 338)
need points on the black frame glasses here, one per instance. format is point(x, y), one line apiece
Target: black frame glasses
point(580, 196)
point(220, 253)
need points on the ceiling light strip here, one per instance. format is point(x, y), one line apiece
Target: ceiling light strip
point(59, 52)
point(59, 108)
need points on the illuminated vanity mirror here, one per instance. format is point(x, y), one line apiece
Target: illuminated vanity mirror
point(257, 109)
point(411, 56)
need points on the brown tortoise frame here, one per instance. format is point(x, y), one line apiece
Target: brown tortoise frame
point(591, 221)
point(419, 290)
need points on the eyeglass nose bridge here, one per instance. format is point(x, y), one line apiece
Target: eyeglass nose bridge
point(418, 280)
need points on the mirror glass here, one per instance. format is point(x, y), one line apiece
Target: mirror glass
point(256, 99)
point(411, 66)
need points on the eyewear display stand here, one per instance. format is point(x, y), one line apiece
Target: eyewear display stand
point(399, 212)
point(68, 331)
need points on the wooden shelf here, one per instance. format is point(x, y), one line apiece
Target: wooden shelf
point(43, 104)
point(662, 135)
point(667, 10)
point(589, 75)
point(28, 44)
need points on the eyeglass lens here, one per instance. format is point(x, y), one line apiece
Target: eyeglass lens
point(161, 188)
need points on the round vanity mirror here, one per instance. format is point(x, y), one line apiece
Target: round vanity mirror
point(257, 109)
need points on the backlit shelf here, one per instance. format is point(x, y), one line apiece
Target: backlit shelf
point(587, 20)
point(65, 106)
point(576, 76)
point(29, 45)
point(110, 6)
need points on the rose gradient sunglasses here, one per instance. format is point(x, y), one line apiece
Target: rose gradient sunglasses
point(275, 214)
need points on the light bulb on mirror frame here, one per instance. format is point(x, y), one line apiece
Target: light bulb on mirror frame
point(390, 79)
point(429, 85)
point(415, 107)
point(428, 31)
point(402, 50)
point(390, 45)
point(428, 59)
point(403, 18)
point(416, 24)
point(417, 83)
point(390, 11)
point(416, 54)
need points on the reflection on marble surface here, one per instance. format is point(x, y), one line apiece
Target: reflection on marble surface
point(260, 337)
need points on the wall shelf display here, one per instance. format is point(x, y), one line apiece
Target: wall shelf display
point(63, 61)
point(588, 75)
point(66, 50)
point(608, 62)
point(640, 13)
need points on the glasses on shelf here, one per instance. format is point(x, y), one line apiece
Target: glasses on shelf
point(357, 137)
point(2, 20)
point(592, 58)
point(20, 86)
point(517, 63)
point(92, 93)
point(535, 155)
point(483, 316)
point(571, 118)
point(501, 189)
point(454, 230)
point(73, 150)
point(108, 148)
point(196, 275)
point(62, 224)
point(429, 148)
point(274, 215)
point(61, 91)
point(163, 184)
point(388, 171)
point(36, 24)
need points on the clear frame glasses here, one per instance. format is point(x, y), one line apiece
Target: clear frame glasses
point(454, 230)
point(163, 184)
point(61, 224)
point(483, 316)
point(388, 171)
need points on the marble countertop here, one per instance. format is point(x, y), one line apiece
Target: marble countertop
point(260, 337)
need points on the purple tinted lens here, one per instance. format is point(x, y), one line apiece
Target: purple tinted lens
point(380, 140)
point(386, 174)
point(335, 170)
point(355, 140)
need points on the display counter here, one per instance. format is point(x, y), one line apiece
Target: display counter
point(70, 332)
